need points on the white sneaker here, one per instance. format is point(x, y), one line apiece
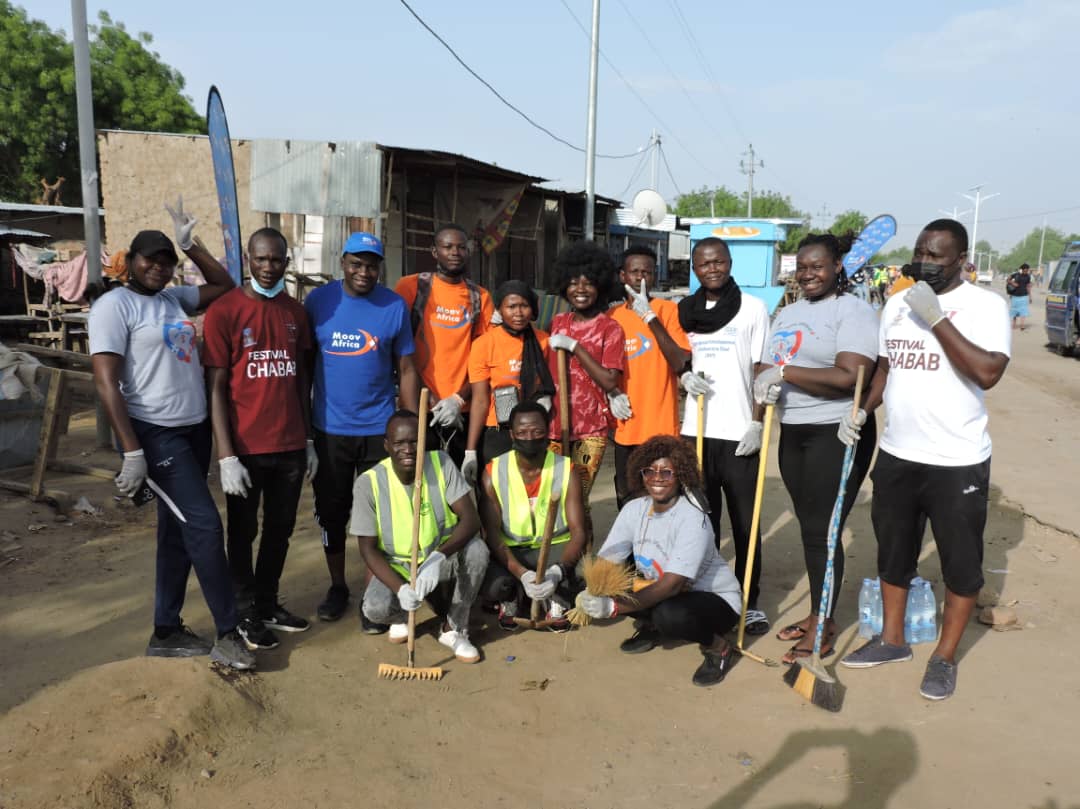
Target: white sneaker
point(459, 642)
point(399, 633)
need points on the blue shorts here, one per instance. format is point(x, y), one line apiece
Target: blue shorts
point(1018, 306)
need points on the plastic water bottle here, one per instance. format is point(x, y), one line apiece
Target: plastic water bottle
point(877, 608)
point(866, 609)
point(913, 613)
point(927, 611)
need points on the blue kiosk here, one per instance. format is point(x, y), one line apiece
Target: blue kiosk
point(755, 254)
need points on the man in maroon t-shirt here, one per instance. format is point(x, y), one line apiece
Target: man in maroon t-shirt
point(256, 341)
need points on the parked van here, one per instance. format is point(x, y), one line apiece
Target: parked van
point(1062, 324)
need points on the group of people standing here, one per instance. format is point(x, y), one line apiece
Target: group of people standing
point(329, 391)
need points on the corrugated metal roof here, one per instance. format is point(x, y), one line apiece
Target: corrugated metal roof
point(627, 217)
point(320, 178)
point(9, 232)
point(26, 207)
point(436, 159)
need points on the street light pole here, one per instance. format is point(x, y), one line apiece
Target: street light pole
point(977, 199)
point(84, 101)
point(590, 135)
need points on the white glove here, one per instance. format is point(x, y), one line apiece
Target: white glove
point(850, 427)
point(427, 575)
point(639, 302)
point(408, 599)
point(767, 385)
point(751, 440)
point(183, 224)
point(496, 318)
point(545, 402)
point(620, 405)
point(537, 592)
point(595, 606)
point(312, 459)
point(695, 384)
point(563, 341)
point(470, 466)
point(235, 479)
point(448, 411)
point(132, 473)
point(924, 302)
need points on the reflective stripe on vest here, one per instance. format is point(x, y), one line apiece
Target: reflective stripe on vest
point(521, 526)
point(393, 512)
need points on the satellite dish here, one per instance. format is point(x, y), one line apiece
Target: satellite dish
point(649, 208)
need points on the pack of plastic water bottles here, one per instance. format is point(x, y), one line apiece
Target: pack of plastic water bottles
point(920, 619)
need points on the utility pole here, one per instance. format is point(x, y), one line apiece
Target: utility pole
point(823, 216)
point(954, 214)
point(84, 102)
point(590, 135)
point(748, 167)
point(1042, 242)
point(654, 144)
point(978, 199)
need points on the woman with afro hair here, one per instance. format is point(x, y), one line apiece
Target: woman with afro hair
point(690, 593)
point(595, 344)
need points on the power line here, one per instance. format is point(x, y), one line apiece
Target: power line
point(636, 94)
point(637, 171)
point(502, 98)
point(669, 174)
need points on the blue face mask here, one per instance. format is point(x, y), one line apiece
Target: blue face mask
point(272, 291)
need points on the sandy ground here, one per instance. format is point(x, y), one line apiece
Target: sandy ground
point(545, 720)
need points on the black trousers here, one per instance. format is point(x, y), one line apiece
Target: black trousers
point(695, 617)
point(811, 458)
point(622, 483)
point(729, 476)
point(341, 459)
point(277, 478)
point(450, 440)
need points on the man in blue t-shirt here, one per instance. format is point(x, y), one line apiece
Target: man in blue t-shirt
point(363, 340)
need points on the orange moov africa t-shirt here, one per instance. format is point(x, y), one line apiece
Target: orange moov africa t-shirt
point(496, 357)
point(649, 381)
point(445, 334)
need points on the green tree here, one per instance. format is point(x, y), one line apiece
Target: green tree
point(896, 256)
point(1027, 249)
point(849, 221)
point(132, 89)
point(723, 202)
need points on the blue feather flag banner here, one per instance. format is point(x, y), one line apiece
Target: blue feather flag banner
point(225, 180)
point(873, 237)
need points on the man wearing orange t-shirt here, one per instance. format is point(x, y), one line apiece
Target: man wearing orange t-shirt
point(657, 351)
point(444, 333)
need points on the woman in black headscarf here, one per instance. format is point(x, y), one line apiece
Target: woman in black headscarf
point(507, 365)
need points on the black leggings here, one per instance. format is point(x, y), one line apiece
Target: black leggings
point(811, 457)
point(696, 617)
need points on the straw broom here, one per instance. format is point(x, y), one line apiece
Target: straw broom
point(810, 678)
point(603, 578)
point(409, 671)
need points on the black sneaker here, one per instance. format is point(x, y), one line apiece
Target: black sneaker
point(281, 619)
point(644, 639)
point(181, 643)
point(335, 604)
point(714, 667)
point(256, 635)
point(369, 627)
point(229, 651)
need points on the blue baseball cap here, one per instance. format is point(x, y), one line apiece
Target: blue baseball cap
point(363, 243)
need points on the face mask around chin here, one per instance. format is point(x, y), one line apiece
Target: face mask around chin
point(932, 274)
point(530, 447)
point(268, 293)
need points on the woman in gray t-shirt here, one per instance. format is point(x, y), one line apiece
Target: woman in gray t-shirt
point(690, 593)
point(816, 347)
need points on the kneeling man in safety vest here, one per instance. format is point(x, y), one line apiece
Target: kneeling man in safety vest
point(517, 487)
point(450, 548)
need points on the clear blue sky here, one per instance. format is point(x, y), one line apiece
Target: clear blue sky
point(881, 107)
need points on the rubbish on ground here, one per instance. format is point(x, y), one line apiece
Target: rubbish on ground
point(1000, 618)
point(84, 506)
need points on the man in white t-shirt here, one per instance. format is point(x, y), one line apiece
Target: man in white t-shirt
point(727, 332)
point(942, 344)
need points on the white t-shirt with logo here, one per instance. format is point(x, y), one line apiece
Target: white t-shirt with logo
point(727, 356)
point(934, 414)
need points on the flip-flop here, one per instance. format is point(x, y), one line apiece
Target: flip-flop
point(801, 654)
point(791, 632)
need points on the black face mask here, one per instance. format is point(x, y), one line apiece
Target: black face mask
point(932, 274)
point(531, 448)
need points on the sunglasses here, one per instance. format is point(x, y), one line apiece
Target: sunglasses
point(658, 474)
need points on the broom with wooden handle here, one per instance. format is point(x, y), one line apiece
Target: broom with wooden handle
point(809, 678)
point(701, 432)
point(409, 671)
point(534, 620)
point(755, 522)
point(564, 401)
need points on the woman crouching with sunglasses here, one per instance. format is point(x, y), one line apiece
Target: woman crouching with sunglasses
point(690, 593)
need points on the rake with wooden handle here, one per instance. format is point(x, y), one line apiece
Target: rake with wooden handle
point(409, 671)
point(701, 432)
point(564, 402)
point(534, 621)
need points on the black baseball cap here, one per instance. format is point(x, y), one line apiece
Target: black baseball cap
point(151, 242)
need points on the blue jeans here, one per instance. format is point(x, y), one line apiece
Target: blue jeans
point(178, 459)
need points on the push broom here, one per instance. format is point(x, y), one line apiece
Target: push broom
point(755, 523)
point(409, 671)
point(810, 678)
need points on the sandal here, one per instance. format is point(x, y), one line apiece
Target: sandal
point(791, 632)
point(796, 653)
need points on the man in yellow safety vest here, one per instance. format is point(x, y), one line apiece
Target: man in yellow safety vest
point(450, 549)
point(517, 487)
